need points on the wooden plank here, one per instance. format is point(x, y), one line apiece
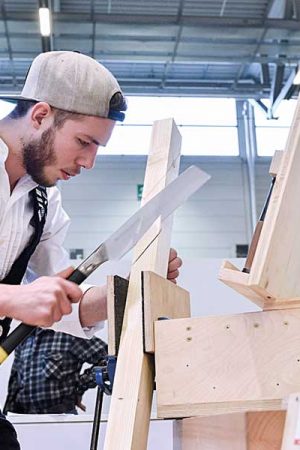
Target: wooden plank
point(291, 435)
point(161, 298)
point(239, 431)
point(237, 280)
point(277, 252)
point(278, 249)
point(130, 408)
point(117, 288)
point(235, 363)
point(265, 430)
point(224, 432)
point(275, 163)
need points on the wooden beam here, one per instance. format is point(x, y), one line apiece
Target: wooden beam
point(277, 253)
point(273, 281)
point(130, 408)
point(224, 432)
point(239, 431)
point(265, 430)
point(161, 298)
point(291, 436)
point(275, 163)
point(222, 364)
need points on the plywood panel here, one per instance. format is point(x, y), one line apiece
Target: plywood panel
point(236, 363)
point(224, 432)
point(240, 431)
point(161, 298)
point(265, 430)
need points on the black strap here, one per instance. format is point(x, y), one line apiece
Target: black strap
point(40, 206)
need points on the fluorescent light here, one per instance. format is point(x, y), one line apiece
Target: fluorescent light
point(45, 28)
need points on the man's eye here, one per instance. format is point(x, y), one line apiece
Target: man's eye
point(83, 143)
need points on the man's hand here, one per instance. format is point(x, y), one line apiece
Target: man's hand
point(42, 302)
point(174, 263)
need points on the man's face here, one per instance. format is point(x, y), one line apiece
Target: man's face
point(60, 153)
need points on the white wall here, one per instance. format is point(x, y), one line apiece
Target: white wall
point(208, 225)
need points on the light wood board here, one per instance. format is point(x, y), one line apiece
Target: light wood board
point(129, 415)
point(239, 431)
point(161, 298)
point(276, 264)
point(235, 363)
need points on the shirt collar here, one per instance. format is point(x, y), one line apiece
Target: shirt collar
point(26, 182)
point(3, 152)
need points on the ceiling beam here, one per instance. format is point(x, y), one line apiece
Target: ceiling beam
point(7, 37)
point(153, 19)
point(297, 9)
point(178, 39)
point(283, 93)
point(265, 74)
point(276, 87)
point(259, 104)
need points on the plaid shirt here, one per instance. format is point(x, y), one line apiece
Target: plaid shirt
point(45, 376)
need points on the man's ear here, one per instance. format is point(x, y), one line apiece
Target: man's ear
point(40, 114)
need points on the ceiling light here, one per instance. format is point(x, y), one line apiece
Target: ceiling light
point(45, 28)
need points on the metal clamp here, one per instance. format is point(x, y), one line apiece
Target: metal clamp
point(104, 375)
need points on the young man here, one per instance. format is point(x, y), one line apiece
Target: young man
point(67, 109)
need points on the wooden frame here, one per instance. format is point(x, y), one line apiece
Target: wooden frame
point(274, 281)
point(224, 364)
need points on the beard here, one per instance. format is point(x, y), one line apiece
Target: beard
point(37, 155)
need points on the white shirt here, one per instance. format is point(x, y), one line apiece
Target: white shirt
point(15, 231)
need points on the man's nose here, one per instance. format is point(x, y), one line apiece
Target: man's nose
point(88, 159)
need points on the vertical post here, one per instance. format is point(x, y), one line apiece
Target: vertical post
point(291, 435)
point(130, 409)
point(247, 145)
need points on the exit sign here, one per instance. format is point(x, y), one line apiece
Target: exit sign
point(139, 191)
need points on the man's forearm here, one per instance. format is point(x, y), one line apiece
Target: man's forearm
point(93, 306)
point(7, 302)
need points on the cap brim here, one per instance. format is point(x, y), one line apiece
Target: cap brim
point(113, 114)
point(14, 98)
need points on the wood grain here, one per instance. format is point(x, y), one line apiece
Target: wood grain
point(235, 363)
point(129, 415)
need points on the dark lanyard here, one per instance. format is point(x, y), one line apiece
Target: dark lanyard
point(18, 269)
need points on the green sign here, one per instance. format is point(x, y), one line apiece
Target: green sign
point(139, 191)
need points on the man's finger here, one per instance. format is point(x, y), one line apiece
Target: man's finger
point(73, 292)
point(172, 275)
point(172, 254)
point(174, 264)
point(65, 306)
point(65, 273)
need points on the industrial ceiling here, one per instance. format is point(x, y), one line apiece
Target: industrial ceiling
point(225, 48)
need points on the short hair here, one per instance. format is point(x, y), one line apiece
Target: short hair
point(117, 103)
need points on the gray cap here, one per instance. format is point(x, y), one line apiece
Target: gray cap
point(72, 82)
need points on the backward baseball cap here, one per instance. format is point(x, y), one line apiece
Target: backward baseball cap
point(73, 82)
